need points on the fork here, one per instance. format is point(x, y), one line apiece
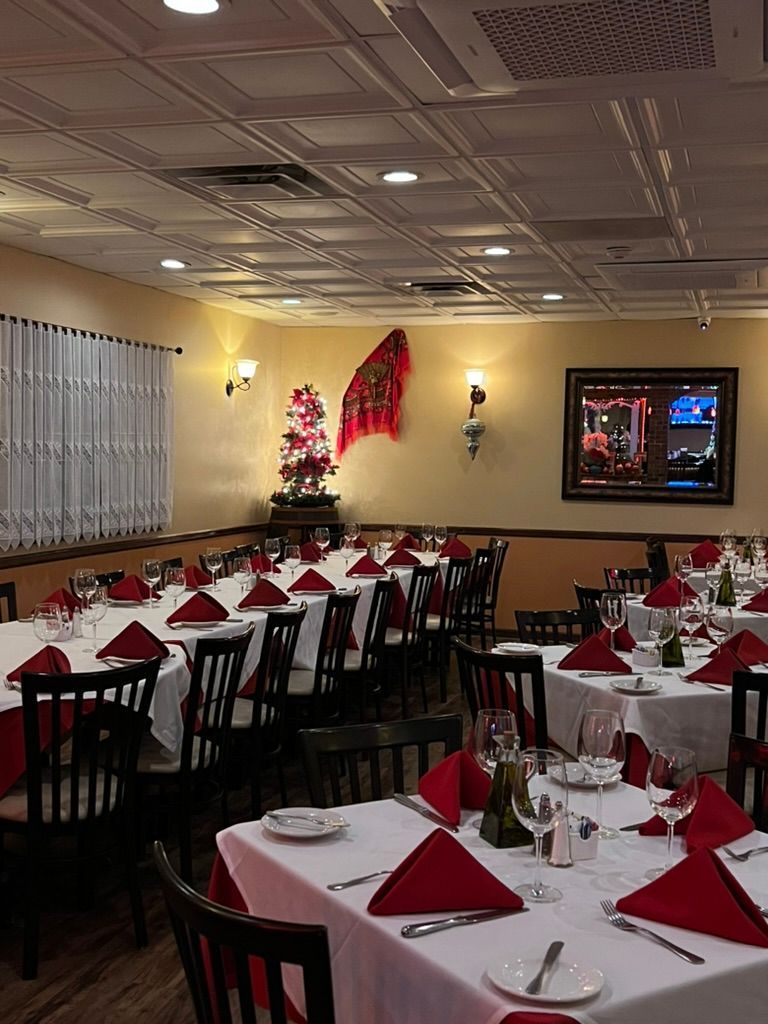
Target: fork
point(746, 854)
point(619, 921)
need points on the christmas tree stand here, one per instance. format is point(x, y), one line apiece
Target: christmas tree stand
point(298, 523)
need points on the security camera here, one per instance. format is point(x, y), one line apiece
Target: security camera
point(704, 322)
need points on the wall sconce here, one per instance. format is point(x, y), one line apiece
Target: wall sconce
point(244, 369)
point(473, 428)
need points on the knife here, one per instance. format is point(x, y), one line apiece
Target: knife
point(425, 812)
point(413, 931)
point(536, 984)
point(632, 828)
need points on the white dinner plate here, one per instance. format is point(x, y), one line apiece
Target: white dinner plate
point(627, 686)
point(303, 822)
point(264, 607)
point(567, 983)
point(317, 593)
point(516, 648)
point(579, 778)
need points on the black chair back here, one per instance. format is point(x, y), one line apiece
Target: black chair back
point(454, 588)
point(215, 942)
point(248, 550)
point(271, 683)
point(103, 579)
point(744, 684)
point(656, 557)
point(499, 550)
point(564, 626)
point(327, 693)
point(633, 581)
point(171, 563)
point(747, 755)
point(588, 598)
point(423, 579)
point(8, 597)
point(372, 651)
point(227, 558)
point(476, 592)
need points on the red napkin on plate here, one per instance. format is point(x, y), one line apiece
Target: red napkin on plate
point(748, 648)
point(402, 557)
point(310, 552)
point(456, 782)
point(719, 670)
point(50, 659)
point(668, 593)
point(716, 819)
point(135, 641)
point(366, 566)
point(361, 542)
point(260, 563)
point(622, 639)
point(264, 594)
point(759, 603)
point(66, 601)
point(201, 607)
point(195, 577)
point(130, 589)
point(702, 632)
point(311, 581)
point(455, 549)
point(407, 543)
point(440, 874)
point(700, 893)
point(593, 655)
point(704, 553)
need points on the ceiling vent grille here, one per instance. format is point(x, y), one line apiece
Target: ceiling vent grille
point(447, 286)
point(254, 182)
point(683, 275)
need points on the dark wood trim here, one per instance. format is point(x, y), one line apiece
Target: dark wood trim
point(595, 535)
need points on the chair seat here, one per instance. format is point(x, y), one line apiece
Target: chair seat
point(301, 682)
point(394, 637)
point(433, 622)
point(242, 716)
point(13, 806)
point(353, 661)
point(155, 759)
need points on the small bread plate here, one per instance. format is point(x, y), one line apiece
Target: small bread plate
point(303, 822)
point(516, 648)
point(567, 983)
point(579, 778)
point(630, 686)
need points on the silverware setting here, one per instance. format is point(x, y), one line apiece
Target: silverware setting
point(536, 984)
point(592, 675)
point(632, 828)
point(700, 682)
point(336, 886)
point(305, 821)
point(414, 931)
point(619, 921)
point(745, 854)
point(424, 812)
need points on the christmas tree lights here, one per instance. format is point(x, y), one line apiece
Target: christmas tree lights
point(305, 454)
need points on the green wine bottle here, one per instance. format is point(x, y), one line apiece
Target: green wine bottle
point(726, 595)
point(501, 827)
point(672, 652)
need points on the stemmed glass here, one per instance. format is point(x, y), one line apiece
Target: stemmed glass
point(427, 533)
point(672, 785)
point(347, 550)
point(84, 584)
point(490, 728)
point(241, 572)
point(385, 541)
point(761, 574)
point(441, 536)
point(47, 621)
point(613, 612)
point(728, 541)
point(352, 531)
point(93, 613)
point(400, 532)
point(742, 573)
point(293, 557)
point(214, 561)
point(272, 551)
point(602, 751)
point(322, 538)
point(759, 545)
point(692, 615)
point(152, 572)
point(720, 624)
point(661, 629)
point(712, 575)
point(683, 567)
point(539, 776)
point(175, 583)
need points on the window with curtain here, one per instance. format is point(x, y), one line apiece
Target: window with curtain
point(86, 427)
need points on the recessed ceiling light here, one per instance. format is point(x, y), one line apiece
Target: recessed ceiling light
point(399, 177)
point(171, 264)
point(193, 6)
point(552, 297)
point(496, 250)
point(291, 302)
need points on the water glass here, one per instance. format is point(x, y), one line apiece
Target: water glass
point(152, 572)
point(728, 541)
point(491, 727)
point(385, 541)
point(613, 612)
point(272, 551)
point(691, 616)
point(720, 624)
point(241, 572)
point(347, 550)
point(322, 538)
point(661, 629)
point(84, 584)
point(742, 573)
point(352, 531)
point(93, 613)
point(400, 531)
point(47, 622)
point(712, 575)
point(540, 780)
point(213, 562)
point(293, 557)
point(175, 583)
point(761, 574)
point(759, 544)
point(683, 566)
point(672, 786)
point(427, 533)
point(602, 751)
point(441, 536)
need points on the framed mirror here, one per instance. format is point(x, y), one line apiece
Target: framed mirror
point(665, 435)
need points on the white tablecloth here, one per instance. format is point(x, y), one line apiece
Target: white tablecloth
point(638, 615)
point(382, 978)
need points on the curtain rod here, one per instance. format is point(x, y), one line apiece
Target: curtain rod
point(93, 334)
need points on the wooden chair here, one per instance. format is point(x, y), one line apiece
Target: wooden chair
point(565, 626)
point(208, 935)
point(197, 768)
point(442, 627)
point(472, 612)
point(747, 755)
point(588, 598)
point(633, 581)
point(406, 644)
point(8, 596)
point(83, 789)
point(171, 563)
point(258, 720)
point(349, 758)
point(248, 550)
point(227, 558)
point(496, 681)
point(745, 684)
point(656, 557)
point(499, 550)
point(364, 668)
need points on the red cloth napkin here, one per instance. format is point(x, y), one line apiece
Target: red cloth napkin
point(668, 593)
point(66, 601)
point(440, 874)
point(201, 607)
point(135, 641)
point(622, 639)
point(260, 563)
point(361, 542)
point(407, 543)
point(593, 655)
point(310, 552)
point(759, 603)
point(264, 594)
point(704, 553)
point(402, 557)
point(366, 566)
point(701, 632)
point(195, 577)
point(456, 782)
point(455, 549)
point(700, 893)
point(719, 670)
point(50, 659)
point(311, 581)
point(130, 589)
point(748, 648)
point(716, 819)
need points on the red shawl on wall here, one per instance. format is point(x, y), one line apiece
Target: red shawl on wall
point(371, 403)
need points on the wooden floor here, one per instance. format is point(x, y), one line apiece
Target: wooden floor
point(90, 970)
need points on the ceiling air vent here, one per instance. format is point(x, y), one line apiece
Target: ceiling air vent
point(683, 275)
point(254, 182)
point(447, 287)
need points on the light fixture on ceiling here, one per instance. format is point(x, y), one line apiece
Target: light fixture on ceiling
point(243, 370)
point(193, 6)
point(399, 177)
point(291, 302)
point(474, 428)
point(173, 264)
point(496, 250)
point(552, 297)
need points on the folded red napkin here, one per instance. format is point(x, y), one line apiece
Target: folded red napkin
point(622, 639)
point(407, 543)
point(310, 552)
point(311, 581)
point(700, 893)
point(704, 553)
point(264, 594)
point(63, 599)
point(456, 782)
point(130, 589)
point(50, 659)
point(366, 566)
point(759, 603)
point(135, 641)
point(702, 632)
point(455, 549)
point(748, 648)
point(402, 558)
point(201, 607)
point(195, 577)
point(260, 563)
point(668, 593)
point(361, 542)
point(716, 819)
point(440, 874)
point(719, 670)
point(592, 654)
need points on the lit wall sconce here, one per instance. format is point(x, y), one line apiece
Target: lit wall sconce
point(243, 370)
point(474, 428)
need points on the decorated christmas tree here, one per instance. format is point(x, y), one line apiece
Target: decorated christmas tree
point(305, 454)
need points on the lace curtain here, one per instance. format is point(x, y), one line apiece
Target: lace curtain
point(85, 435)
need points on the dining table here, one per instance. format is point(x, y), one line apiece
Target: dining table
point(384, 978)
point(639, 614)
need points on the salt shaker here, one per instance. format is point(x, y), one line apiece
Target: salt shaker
point(560, 853)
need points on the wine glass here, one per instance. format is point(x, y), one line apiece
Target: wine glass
point(441, 536)
point(241, 572)
point(692, 614)
point(213, 562)
point(347, 550)
point(427, 533)
point(613, 612)
point(602, 751)
point(152, 572)
point(293, 557)
point(742, 573)
point(728, 541)
point(352, 531)
point(175, 582)
point(272, 551)
point(712, 575)
point(672, 786)
point(322, 538)
point(539, 775)
point(385, 541)
point(759, 545)
point(493, 728)
point(661, 629)
point(47, 621)
point(400, 532)
point(683, 566)
point(84, 584)
point(93, 613)
point(761, 574)
point(720, 624)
